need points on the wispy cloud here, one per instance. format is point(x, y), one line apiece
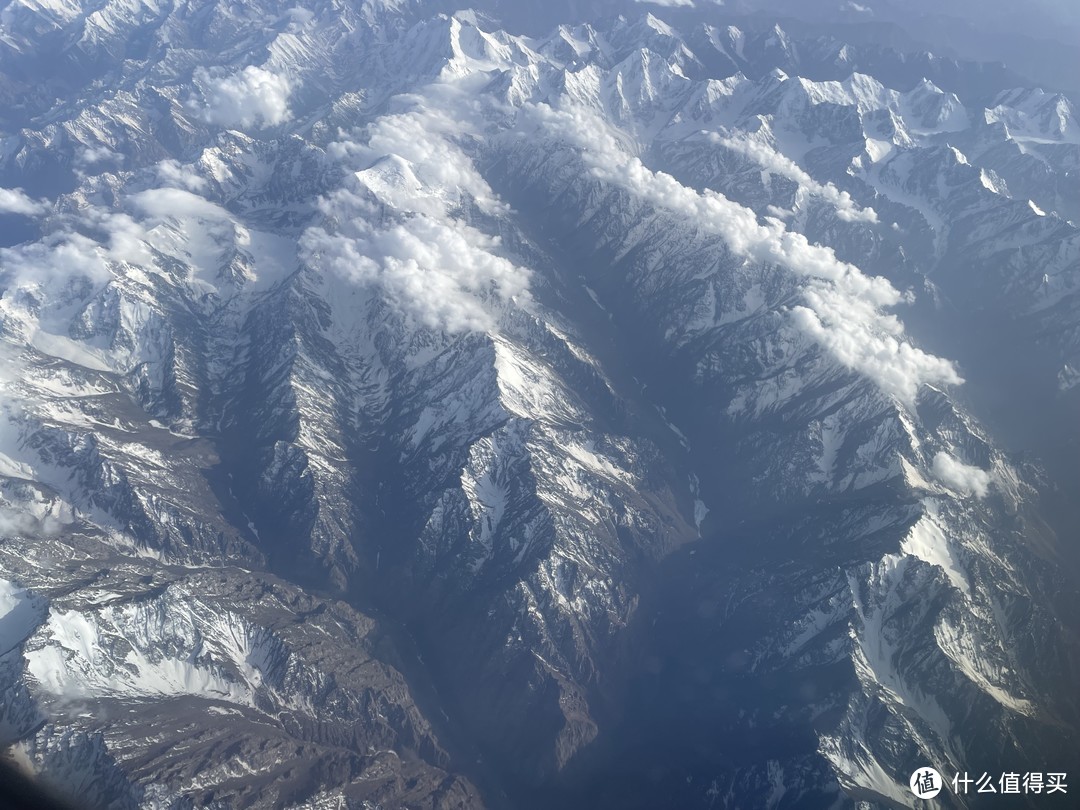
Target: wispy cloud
point(961, 477)
point(439, 273)
point(402, 225)
point(84, 245)
point(671, 3)
point(16, 201)
point(776, 163)
point(844, 310)
point(173, 173)
point(59, 257)
point(177, 203)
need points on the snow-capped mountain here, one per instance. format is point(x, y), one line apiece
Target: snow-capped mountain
point(403, 411)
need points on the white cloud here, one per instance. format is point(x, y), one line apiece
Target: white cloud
point(300, 16)
point(67, 253)
point(684, 3)
point(773, 161)
point(844, 309)
point(176, 203)
point(423, 138)
point(16, 201)
point(80, 247)
point(173, 173)
point(91, 155)
point(961, 477)
point(56, 259)
point(437, 272)
point(125, 237)
point(16, 522)
point(248, 98)
point(400, 227)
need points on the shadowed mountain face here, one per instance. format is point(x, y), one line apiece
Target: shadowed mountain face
point(399, 411)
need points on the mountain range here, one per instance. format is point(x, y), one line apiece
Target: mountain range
point(401, 410)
